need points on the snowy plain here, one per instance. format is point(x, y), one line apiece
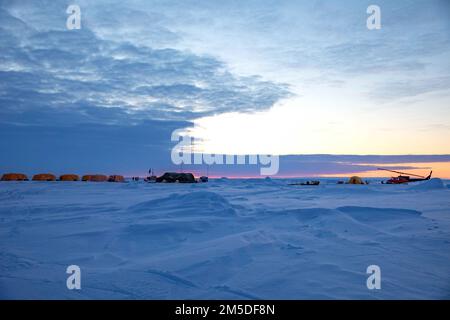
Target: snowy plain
point(226, 239)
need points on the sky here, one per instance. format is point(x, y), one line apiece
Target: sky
point(306, 80)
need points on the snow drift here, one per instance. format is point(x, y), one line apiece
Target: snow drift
point(228, 239)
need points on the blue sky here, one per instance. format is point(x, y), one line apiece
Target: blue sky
point(282, 77)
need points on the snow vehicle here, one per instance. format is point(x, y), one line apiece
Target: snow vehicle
point(307, 183)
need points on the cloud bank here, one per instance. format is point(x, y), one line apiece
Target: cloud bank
point(108, 96)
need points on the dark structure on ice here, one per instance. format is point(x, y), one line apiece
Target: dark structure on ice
point(177, 177)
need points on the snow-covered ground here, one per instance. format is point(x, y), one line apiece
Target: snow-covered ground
point(230, 239)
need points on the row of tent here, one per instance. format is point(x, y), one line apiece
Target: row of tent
point(64, 177)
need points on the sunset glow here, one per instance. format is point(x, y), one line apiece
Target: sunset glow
point(440, 170)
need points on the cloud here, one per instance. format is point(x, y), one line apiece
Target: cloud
point(70, 71)
point(410, 88)
point(84, 148)
point(92, 99)
point(297, 41)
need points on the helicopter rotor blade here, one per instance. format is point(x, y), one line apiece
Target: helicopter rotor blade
point(409, 174)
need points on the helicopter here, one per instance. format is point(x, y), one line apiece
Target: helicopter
point(405, 177)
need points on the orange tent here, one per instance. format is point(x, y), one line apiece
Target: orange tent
point(69, 177)
point(116, 178)
point(44, 177)
point(95, 178)
point(14, 177)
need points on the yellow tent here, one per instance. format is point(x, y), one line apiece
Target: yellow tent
point(355, 180)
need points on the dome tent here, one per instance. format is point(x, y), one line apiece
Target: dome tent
point(116, 178)
point(95, 178)
point(44, 177)
point(69, 177)
point(14, 177)
point(355, 180)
